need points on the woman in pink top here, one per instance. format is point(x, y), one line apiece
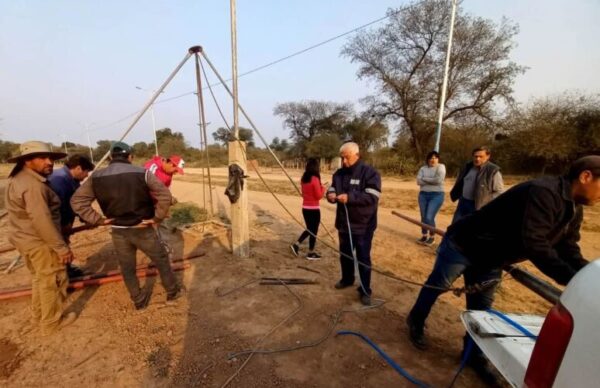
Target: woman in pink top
point(312, 192)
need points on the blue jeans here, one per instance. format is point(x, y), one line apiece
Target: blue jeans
point(362, 247)
point(463, 209)
point(430, 203)
point(449, 265)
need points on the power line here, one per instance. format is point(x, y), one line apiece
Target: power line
point(282, 59)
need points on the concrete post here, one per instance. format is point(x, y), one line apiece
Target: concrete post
point(240, 234)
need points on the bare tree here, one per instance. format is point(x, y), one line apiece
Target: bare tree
point(405, 60)
point(306, 119)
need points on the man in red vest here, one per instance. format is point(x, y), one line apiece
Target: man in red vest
point(164, 169)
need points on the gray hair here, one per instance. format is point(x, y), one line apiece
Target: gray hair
point(350, 147)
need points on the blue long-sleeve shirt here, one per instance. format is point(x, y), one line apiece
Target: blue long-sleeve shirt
point(64, 185)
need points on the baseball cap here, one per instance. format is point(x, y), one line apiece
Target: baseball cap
point(178, 162)
point(120, 148)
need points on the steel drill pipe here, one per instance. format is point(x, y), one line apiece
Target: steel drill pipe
point(109, 277)
point(535, 284)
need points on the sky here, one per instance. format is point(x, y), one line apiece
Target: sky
point(69, 69)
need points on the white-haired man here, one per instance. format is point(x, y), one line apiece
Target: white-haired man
point(356, 188)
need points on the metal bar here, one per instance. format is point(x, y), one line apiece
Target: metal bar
point(234, 72)
point(535, 284)
point(203, 124)
point(148, 105)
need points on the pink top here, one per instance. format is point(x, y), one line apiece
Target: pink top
point(312, 193)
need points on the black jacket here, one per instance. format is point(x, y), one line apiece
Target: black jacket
point(362, 183)
point(123, 194)
point(535, 220)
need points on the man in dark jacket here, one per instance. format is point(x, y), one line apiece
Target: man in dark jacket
point(538, 220)
point(356, 187)
point(64, 182)
point(478, 183)
point(136, 202)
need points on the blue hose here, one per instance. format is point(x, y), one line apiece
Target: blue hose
point(513, 323)
point(387, 358)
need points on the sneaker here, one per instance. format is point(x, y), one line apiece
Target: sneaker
point(144, 301)
point(341, 285)
point(423, 239)
point(415, 333)
point(429, 241)
point(313, 256)
point(172, 299)
point(365, 299)
point(295, 249)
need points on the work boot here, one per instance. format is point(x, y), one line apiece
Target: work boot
point(65, 321)
point(341, 285)
point(172, 299)
point(143, 300)
point(74, 271)
point(365, 299)
point(416, 334)
point(295, 249)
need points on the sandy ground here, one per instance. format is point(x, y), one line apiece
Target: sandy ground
point(187, 345)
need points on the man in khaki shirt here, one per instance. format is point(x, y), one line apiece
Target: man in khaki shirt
point(34, 229)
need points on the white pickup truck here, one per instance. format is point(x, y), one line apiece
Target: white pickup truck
point(566, 352)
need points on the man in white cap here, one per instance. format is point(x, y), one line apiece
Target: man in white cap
point(34, 229)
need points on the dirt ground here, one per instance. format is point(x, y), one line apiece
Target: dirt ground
point(110, 344)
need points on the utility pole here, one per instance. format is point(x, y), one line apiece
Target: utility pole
point(237, 155)
point(87, 132)
point(438, 129)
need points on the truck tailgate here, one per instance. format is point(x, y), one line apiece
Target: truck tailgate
point(505, 346)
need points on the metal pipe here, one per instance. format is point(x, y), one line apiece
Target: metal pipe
point(535, 284)
point(148, 104)
point(25, 291)
point(438, 129)
point(234, 73)
point(203, 129)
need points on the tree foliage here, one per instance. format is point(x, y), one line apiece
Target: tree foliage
point(224, 136)
point(405, 59)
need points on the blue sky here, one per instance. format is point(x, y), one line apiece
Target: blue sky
point(65, 64)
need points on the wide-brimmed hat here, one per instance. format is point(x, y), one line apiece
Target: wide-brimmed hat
point(31, 148)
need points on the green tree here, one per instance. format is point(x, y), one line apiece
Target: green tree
point(405, 59)
point(323, 146)
point(369, 134)
point(224, 136)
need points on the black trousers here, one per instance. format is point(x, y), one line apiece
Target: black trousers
point(312, 219)
point(362, 247)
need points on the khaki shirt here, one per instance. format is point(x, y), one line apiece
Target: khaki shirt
point(33, 213)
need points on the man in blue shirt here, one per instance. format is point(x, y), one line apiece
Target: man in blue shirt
point(64, 182)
